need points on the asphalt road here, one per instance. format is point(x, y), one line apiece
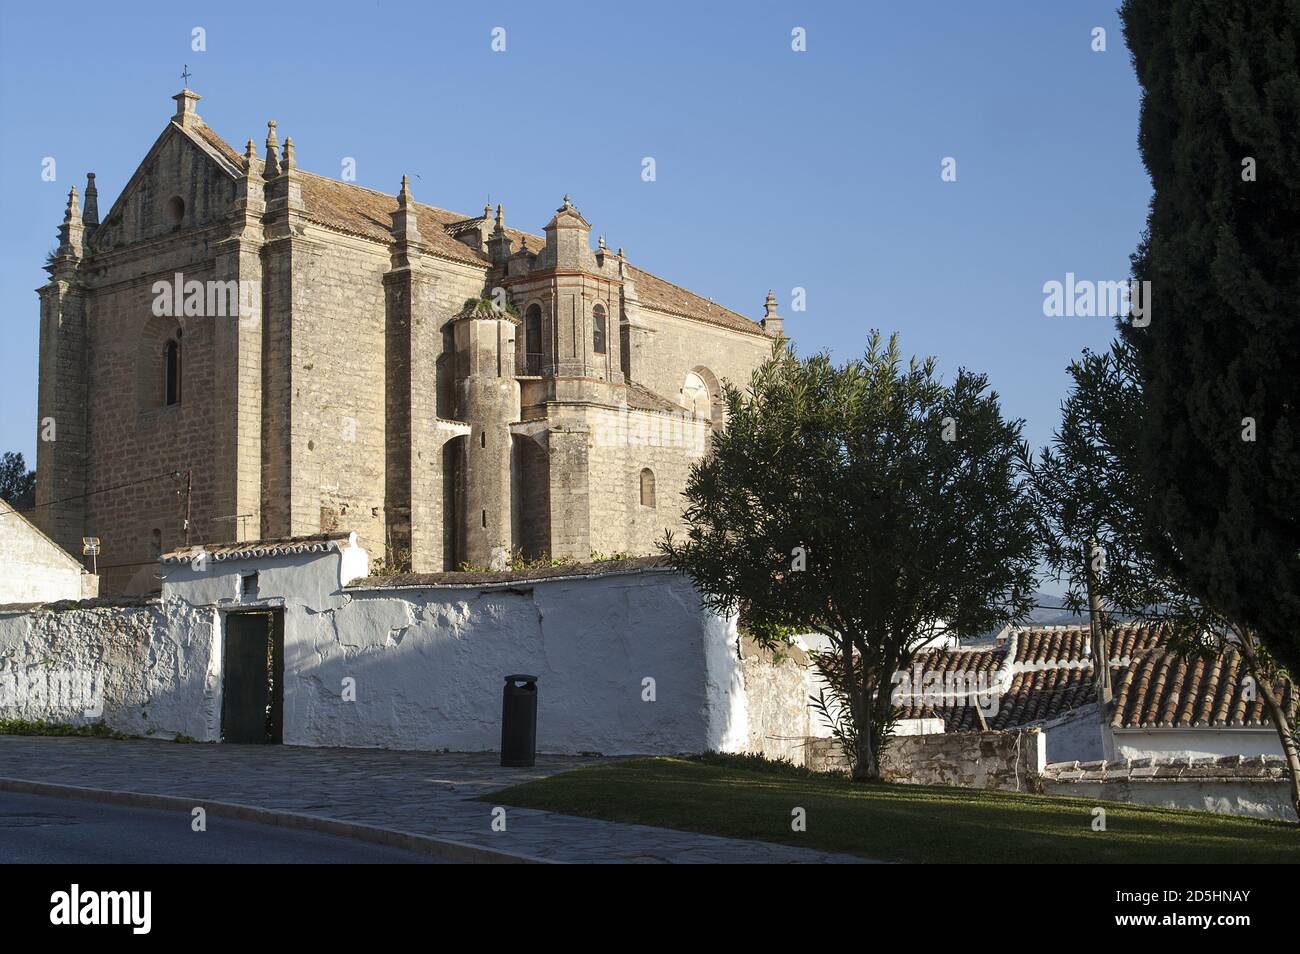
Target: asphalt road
point(37, 829)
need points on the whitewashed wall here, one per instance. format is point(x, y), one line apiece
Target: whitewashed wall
point(35, 569)
point(144, 668)
point(427, 662)
point(1195, 743)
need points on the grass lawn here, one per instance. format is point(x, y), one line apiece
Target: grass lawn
point(897, 822)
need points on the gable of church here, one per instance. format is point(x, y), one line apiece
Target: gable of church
point(184, 182)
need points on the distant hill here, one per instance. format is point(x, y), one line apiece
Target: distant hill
point(1050, 611)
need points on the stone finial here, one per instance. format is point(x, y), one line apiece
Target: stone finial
point(91, 215)
point(185, 112)
point(72, 231)
point(72, 214)
point(487, 211)
point(501, 220)
point(406, 226)
point(290, 162)
point(773, 323)
point(272, 168)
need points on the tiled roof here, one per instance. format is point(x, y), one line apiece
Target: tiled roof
point(1066, 645)
point(1163, 690)
point(355, 210)
point(245, 549)
point(473, 578)
point(643, 399)
point(216, 142)
point(1042, 673)
point(660, 295)
point(1038, 674)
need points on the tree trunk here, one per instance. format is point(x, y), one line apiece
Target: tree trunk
point(1285, 730)
point(864, 762)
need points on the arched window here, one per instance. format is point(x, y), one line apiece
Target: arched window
point(647, 487)
point(695, 395)
point(172, 371)
point(176, 210)
point(598, 329)
point(533, 340)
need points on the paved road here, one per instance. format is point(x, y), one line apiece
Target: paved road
point(427, 793)
point(37, 829)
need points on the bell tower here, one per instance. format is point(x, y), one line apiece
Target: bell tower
point(487, 399)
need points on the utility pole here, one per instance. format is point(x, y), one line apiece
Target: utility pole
point(189, 493)
point(1100, 651)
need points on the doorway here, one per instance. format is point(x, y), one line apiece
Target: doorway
point(252, 693)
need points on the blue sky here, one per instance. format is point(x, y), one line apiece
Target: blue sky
point(776, 169)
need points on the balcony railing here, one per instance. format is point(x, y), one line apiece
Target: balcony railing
point(532, 365)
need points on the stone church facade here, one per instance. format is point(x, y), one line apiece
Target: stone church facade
point(244, 350)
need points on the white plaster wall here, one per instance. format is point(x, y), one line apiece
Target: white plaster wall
point(142, 669)
point(1075, 737)
point(427, 663)
point(35, 569)
point(428, 666)
point(1194, 743)
point(1256, 798)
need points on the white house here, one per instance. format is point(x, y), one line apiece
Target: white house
point(35, 569)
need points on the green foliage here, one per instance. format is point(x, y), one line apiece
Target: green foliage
point(96, 730)
point(755, 762)
point(396, 560)
point(832, 502)
point(486, 308)
point(17, 483)
point(1090, 496)
point(742, 797)
point(1221, 84)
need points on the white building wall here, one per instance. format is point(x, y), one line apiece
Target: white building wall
point(35, 569)
point(628, 662)
point(1194, 743)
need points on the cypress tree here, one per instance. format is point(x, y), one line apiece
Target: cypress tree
point(1220, 444)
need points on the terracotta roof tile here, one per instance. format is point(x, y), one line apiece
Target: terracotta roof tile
point(355, 210)
point(1163, 690)
point(660, 295)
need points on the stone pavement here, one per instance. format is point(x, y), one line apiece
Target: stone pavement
point(428, 793)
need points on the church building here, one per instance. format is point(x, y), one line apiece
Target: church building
point(243, 350)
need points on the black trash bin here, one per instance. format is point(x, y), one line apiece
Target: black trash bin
point(519, 721)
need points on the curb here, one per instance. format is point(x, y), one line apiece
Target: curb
point(424, 844)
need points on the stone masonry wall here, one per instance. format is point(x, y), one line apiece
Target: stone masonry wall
point(337, 373)
point(776, 701)
point(680, 345)
point(623, 443)
point(1010, 761)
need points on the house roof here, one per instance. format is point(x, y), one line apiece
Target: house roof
point(472, 578)
point(1163, 690)
point(354, 210)
point(247, 549)
point(642, 398)
point(1039, 674)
